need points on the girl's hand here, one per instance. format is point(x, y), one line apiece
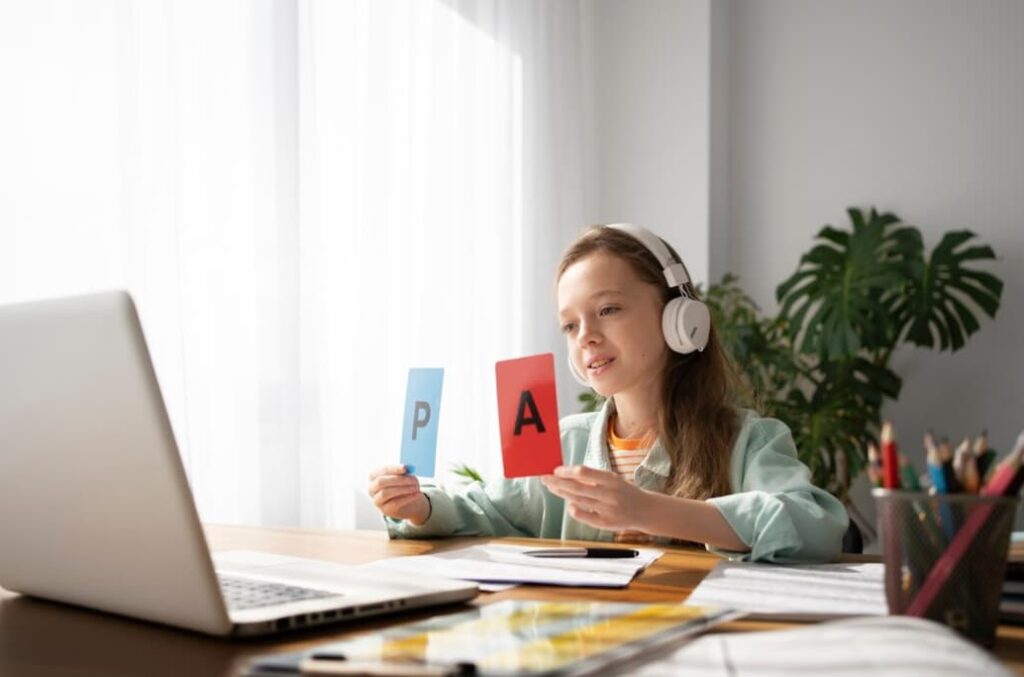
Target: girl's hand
point(397, 494)
point(599, 498)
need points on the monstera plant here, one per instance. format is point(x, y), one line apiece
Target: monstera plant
point(822, 364)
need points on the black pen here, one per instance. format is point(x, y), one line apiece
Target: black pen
point(583, 552)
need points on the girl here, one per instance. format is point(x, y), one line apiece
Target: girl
point(668, 457)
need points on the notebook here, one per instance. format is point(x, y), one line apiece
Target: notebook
point(95, 508)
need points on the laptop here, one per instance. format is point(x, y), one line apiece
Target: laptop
point(95, 507)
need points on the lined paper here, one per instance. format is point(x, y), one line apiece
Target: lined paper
point(795, 592)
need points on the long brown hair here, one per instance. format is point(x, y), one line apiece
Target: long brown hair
point(698, 420)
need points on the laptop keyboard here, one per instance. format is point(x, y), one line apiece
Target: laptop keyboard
point(245, 593)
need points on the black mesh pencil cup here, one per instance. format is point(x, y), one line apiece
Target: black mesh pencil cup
point(945, 556)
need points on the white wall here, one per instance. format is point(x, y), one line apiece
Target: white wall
point(647, 78)
point(914, 106)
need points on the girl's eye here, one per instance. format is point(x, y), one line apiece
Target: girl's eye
point(568, 328)
point(609, 310)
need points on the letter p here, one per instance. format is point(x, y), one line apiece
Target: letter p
point(420, 416)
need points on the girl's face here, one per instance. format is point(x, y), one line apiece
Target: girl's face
point(612, 323)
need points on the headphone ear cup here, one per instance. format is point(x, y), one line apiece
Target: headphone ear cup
point(576, 374)
point(686, 324)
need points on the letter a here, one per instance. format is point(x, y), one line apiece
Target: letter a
point(526, 402)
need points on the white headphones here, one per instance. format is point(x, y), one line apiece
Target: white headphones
point(685, 322)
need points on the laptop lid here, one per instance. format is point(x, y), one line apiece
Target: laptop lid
point(94, 503)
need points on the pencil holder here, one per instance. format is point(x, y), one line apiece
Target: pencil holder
point(945, 556)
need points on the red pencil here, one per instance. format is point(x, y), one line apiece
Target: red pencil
point(890, 459)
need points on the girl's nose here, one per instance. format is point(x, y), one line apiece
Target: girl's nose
point(588, 334)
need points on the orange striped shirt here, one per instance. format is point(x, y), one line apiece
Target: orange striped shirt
point(625, 456)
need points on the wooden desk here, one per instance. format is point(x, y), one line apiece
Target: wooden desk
point(42, 638)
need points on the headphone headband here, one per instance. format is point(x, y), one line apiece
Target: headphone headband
point(672, 268)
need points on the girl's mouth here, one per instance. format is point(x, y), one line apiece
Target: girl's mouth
point(600, 364)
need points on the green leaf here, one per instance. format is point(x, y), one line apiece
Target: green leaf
point(940, 301)
point(466, 472)
point(848, 278)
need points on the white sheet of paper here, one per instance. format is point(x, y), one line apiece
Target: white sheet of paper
point(495, 587)
point(500, 563)
point(887, 646)
point(796, 592)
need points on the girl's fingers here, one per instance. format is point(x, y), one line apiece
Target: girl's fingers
point(554, 481)
point(588, 517)
point(587, 498)
point(570, 495)
point(397, 481)
point(561, 487)
point(387, 470)
point(393, 481)
point(399, 502)
point(584, 474)
point(384, 496)
point(587, 504)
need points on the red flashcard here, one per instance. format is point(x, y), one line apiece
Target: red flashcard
point(528, 415)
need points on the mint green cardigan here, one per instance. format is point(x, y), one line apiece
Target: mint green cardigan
point(774, 508)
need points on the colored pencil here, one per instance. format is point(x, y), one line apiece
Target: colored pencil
point(980, 445)
point(971, 479)
point(934, 464)
point(984, 454)
point(908, 476)
point(946, 463)
point(874, 465)
point(962, 457)
point(940, 484)
point(890, 460)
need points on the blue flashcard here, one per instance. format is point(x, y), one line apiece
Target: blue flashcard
point(419, 431)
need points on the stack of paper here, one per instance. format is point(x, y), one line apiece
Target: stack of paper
point(797, 592)
point(508, 564)
point(896, 646)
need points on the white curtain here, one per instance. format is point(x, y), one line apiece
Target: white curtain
point(306, 199)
